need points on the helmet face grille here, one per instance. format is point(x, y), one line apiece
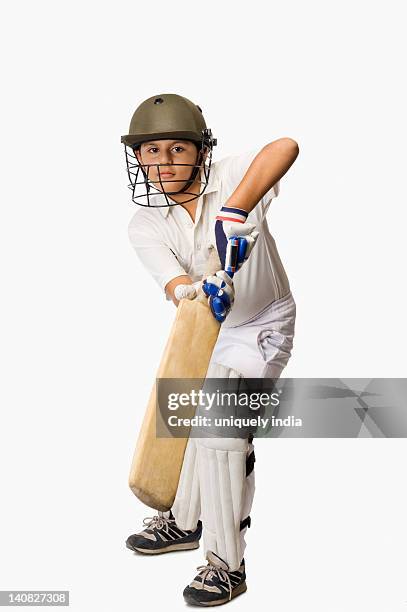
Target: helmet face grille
point(143, 188)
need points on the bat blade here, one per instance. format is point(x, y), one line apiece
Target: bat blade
point(157, 462)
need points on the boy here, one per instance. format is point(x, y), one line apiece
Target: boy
point(201, 205)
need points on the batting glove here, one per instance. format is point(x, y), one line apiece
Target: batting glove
point(221, 294)
point(231, 223)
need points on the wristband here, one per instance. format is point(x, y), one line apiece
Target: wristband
point(234, 215)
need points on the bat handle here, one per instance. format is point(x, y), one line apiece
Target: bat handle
point(232, 255)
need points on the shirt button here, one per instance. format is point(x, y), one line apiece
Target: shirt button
point(198, 246)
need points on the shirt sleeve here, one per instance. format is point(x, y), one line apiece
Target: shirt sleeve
point(154, 254)
point(236, 167)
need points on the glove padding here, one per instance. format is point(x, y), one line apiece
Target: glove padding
point(231, 223)
point(221, 294)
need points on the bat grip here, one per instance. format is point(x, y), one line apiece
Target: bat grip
point(232, 256)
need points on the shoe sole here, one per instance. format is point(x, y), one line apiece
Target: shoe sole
point(242, 588)
point(171, 548)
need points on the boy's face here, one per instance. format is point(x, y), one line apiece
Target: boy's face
point(159, 159)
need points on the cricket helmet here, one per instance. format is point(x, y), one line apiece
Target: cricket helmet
point(167, 117)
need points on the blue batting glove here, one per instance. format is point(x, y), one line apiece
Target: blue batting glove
point(220, 293)
point(231, 224)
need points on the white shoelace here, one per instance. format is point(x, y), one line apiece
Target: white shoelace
point(157, 522)
point(209, 570)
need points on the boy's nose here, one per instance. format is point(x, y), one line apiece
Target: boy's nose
point(165, 157)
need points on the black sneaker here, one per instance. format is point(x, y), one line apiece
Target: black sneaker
point(215, 585)
point(162, 535)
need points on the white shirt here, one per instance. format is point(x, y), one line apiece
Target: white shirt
point(170, 244)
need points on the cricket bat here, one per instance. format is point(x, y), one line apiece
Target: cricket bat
point(157, 462)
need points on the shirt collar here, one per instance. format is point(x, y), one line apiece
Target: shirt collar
point(213, 185)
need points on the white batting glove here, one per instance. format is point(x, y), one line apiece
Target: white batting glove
point(187, 292)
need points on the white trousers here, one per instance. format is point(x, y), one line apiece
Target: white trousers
point(217, 480)
point(261, 347)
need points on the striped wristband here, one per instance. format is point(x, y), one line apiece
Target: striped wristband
point(237, 215)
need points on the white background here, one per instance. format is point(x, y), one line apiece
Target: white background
point(80, 345)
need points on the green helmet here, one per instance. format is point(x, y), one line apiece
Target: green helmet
point(167, 116)
point(173, 117)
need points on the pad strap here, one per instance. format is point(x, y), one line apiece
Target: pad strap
point(250, 463)
point(245, 523)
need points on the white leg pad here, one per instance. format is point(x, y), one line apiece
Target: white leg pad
point(213, 486)
point(187, 506)
point(222, 474)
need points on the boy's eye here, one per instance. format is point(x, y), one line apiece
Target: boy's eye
point(178, 149)
point(153, 150)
